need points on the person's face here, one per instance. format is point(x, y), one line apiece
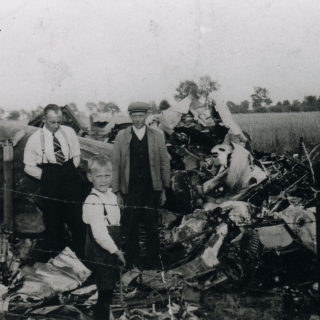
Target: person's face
point(52, 121)
point(138, 119)
point(101, 177)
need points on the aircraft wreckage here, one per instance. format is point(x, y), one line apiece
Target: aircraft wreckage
point(235, 221)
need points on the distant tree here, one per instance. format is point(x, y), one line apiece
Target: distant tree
point(92, 107)
point(309, 103)
point(206, 86)
point(153, 108)
point(109, 107)
point(232, 107)
point(187, 88)
point(14, 115)
point(1, 113)
point(164, 105)
point(296, 106)
point(244, 106)
point(260, 110)
point(74, 108)
point(260, 98)
point(277, 108)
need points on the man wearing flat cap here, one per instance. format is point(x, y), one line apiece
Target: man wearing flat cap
point(141, 174)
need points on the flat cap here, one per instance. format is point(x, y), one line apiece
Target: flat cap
point(138, 107)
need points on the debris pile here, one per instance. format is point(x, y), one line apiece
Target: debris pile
point(236, 221)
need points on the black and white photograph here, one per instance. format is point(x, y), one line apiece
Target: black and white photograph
point(159, 159)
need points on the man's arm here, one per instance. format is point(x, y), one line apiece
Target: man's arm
point(30, 159)
point(164, 162)
point(75, 145)
point(116, 159)
point(33, 171)
point(76, 161)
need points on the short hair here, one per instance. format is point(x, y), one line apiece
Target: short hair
point(51, 107)
point(100, 160)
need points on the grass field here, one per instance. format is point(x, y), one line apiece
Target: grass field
point(280, 132)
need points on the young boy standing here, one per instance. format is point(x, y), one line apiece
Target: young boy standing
point(102, 215)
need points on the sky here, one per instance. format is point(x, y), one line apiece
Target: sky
point(63, 51)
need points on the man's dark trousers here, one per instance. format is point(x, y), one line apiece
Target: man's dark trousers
point(62, 183)
point(141, 196)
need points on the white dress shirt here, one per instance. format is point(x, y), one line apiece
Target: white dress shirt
point(93, 214)
point(33, 151)
point(139, 132)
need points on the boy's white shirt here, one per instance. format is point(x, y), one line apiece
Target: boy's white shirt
point(93, 214)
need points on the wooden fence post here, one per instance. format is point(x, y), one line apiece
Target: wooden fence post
point(318, 234)
point(8, 184)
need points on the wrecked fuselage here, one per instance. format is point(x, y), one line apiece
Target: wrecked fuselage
point(27, 205)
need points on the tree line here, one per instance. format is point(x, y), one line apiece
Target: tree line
point(202, 91)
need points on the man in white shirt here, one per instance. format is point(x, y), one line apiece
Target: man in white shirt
point(52, 155)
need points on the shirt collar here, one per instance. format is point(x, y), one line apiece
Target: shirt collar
point(139, 131)
point(46, 131)
point(98, 193)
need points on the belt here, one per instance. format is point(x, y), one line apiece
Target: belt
point(66, 163)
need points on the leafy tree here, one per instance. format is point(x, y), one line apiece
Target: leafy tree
point(277, 108)
point(187, 88)
point(164, 105)
point(92, 106)
point(311, 103)
point(242, 108)
point(260, 98)
point(296, 106)
point(206, 86)
point(232, 107)
point(109, 107)
point(153, 108)
point(261, 110)
point(190, 88)
point(14, 115)
point(74, 108)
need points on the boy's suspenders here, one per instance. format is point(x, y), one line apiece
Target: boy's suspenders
point(43, 145)
point(104, 207)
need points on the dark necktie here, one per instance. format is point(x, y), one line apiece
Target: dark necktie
point(57, 151)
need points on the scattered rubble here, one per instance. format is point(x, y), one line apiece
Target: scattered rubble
point(236, 221)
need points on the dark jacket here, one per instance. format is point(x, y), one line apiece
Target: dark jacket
point(158, 156)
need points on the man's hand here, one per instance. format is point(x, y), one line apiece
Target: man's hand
point(163, 197)
point(120, 257)
point(119, 199)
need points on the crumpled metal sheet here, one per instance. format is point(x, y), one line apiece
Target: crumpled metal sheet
point(239, 212)
point(32, 286)
point(241, 173)
point(273, 237)
point(208, 259)
point(60, 312)
point(190, 224)
point(159, 280)
point(303, 223)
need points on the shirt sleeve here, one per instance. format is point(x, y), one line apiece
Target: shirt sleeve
point(35, 172)
point(93, 214)
point(76, 161)
point(30, 159)
point(75, 144)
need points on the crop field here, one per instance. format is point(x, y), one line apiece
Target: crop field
point(280, 132)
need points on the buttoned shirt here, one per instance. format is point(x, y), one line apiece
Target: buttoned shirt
point(93, 214)
point(33, 155)
point(139, 132)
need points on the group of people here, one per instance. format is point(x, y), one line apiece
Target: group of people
point(134, 178)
